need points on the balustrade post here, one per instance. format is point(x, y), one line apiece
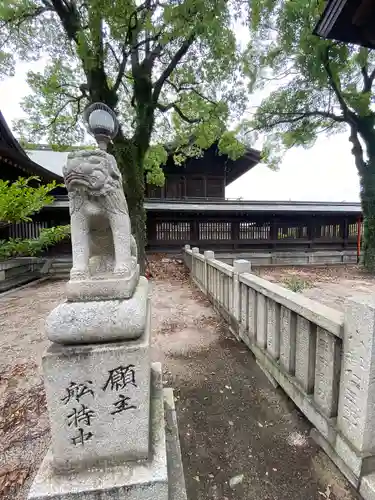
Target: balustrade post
point(188, 258)
point(194, 250)
point(356, 413)
point(239, 266)
point(208, 255)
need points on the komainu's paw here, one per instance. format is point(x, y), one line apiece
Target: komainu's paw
point(77, 274)
point(121, 270)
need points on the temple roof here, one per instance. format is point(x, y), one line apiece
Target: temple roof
point(236, 168)
point(12, 154)
point(55, 160)
point(350, 21)
point(47, 164)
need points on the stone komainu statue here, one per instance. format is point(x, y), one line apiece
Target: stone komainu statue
point(102, 242)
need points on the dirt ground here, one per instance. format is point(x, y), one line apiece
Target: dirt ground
point(332, 285)
point(240, 438)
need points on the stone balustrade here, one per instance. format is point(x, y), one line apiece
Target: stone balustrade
point(322, 358)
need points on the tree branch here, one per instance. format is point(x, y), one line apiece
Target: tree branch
point(27, 15)
point(54, 119)
point(68, 17)
point(344, 108)
point(188, 88)
point(47, 4)
point(132, 35)
point(122, 66)
point(366, 79)
point(171, 66)
point(305, 114)
point(146, 41)
point(174, 106)
point(357, 150)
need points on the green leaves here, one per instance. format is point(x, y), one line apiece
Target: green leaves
point(16, 247)
point(18, 202)
point(55, 106)
point(155, 157)
point(22, 198)
point(116, 53)
point(317, 84)
point(229, 145)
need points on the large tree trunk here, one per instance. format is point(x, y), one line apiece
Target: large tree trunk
point(126, 153)
point(368, 208)
point(366, 170)
point(130, 155)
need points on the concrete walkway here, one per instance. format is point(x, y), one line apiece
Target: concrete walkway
point(240, 438)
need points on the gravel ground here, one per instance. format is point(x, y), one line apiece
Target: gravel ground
point(240, 438)
point(332, 285)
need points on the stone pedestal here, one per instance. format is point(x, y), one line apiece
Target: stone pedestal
point(100, 320)
point(96, 393)
point(104, 287)
point(158, 478)
point(106, 409)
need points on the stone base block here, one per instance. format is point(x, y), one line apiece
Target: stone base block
point(351, 463)
point(176, 478)
point(367, 487)
point(103, 288)
point(98, 399)
point(159, 478)
point(102, 321)
point(272, 381)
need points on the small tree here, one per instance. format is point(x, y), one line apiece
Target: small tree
point(322, 87)
point(18, 201)
point(170, 69)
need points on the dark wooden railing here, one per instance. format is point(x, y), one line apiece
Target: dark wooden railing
point(307, 233)
point(238, 227)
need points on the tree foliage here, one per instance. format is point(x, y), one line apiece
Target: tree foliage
point(170, 69)
point(18, 201)
point(17, 247)
point(319, 86)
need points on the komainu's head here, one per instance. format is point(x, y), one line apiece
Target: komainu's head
point(94, 171)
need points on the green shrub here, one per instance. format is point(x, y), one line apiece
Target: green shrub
point(296, 284)
point(18, 201)
point(16, 247)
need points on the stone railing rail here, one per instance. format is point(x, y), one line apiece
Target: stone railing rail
point(322, 358)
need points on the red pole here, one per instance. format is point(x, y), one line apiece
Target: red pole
point(359, 225)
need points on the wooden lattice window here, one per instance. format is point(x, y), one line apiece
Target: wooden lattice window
point(215, 230)
point(27, 230)
point(353, 230)
point(288, 231)
point(173, 231)
point(254, 231)
point(330, 231)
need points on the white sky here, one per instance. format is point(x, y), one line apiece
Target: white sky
point(325, 172)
